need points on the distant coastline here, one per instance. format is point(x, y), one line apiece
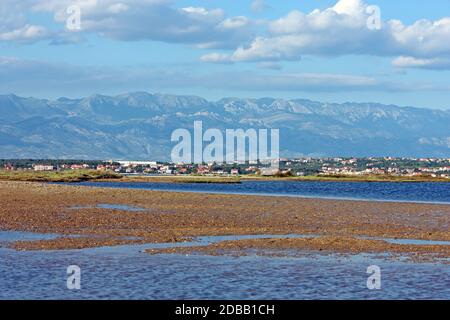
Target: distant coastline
point(105, 176)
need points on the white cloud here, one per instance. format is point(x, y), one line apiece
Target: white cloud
point(335, 31)
point(216, 58)
point(445, 142)
point(118, 8)
point(235, 23)
point(204, 12)
point(259, 5)
point(154, 20)
point(410, 62)
point(343, 30)
point(349, 7)
point(14, 25)
point(131, 20)
point(24, 34)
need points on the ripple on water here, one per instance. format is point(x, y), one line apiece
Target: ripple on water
point(134, 275)
point(124, 272)
point(424, 192)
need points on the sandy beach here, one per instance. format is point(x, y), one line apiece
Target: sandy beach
point(338, 225)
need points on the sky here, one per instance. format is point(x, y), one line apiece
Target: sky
point(391, 52)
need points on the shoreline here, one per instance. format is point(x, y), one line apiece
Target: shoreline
point(176, 217)
point(104, 176)
point(240, 178)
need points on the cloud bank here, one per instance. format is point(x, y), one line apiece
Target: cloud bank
point(17, 75)
point(340, 30)
point(344, 29)
point(137, 20)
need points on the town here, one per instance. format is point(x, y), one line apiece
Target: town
point(387, 166)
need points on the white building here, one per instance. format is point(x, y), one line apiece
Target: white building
point(269, 171)
point(43, 167)
point(128, 163)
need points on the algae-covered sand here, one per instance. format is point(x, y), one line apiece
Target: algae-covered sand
point(177, 216)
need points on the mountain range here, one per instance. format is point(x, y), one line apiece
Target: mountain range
point(138, 126)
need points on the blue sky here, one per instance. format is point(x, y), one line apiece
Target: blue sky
point(318, 49)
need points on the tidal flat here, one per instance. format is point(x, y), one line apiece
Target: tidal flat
point(80, 218)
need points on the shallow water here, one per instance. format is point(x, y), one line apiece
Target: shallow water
point(111, 206)
point(8, 236)
point(125, 272)
point(11, 236)
point(416, 242)
point(119, 207)
point(379, 191)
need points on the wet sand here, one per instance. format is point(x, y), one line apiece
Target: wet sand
point(175, 217)
point(321, 245)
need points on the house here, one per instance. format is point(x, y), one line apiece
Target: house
point(269, 171)
point(251, 169)
point(43, 167)
point(234, 172)
point(78, 166)
point(203, 170)
point(9, 167)
point(128, 163)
